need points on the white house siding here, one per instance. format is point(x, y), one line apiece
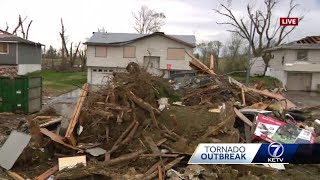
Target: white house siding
point(257, 67)
point(279, 70)
point(157, 46)
point(24, 69)
point(315, 81)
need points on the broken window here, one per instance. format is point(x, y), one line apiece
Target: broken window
point(129, 52)
point(101, 51)
point(302, 55)
point(175, 54)
point(4, 48)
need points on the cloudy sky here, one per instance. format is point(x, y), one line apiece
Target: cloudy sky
point(82, 17)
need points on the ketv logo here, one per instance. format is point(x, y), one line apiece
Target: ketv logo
point(275, 150)
point(289, 21)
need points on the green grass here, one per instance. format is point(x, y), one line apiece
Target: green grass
point(269, 82)
point(55, 83)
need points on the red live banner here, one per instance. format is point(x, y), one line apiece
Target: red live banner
point(289, 21)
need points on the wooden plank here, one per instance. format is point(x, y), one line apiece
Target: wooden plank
point(158, 155)
point(48, 173)
point(161, 141)
point(152, 145)
point(287, 104)
point(167, 167)
point(52, 121)
point(243, 97)
point(160, 173)
point(15, 176)
point(70, 162)
point(76, 115)
point(247, 132)
point(243, 118)
point(57, 138)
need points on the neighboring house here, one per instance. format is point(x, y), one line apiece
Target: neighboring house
point(110, 52)
point(23, 54)
point(257, 66)
point(297, 64)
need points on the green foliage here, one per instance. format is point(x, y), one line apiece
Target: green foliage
point(51, 53)
point(269, 82)
point(208, 48)
point(230, 64)
point(55, 83)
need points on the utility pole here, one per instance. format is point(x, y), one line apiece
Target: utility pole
point(249, 56)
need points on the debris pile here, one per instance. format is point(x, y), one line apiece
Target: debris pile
point(8, 71)
point(139, 127)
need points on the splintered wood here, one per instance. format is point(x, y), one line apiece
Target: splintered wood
point(69, 134)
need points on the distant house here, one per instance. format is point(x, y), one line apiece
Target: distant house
point(297, 64)
point(23, 54)
point(109, 52)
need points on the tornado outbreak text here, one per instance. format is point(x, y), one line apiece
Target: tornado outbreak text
point(224, 153)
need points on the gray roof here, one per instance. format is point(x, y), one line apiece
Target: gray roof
point(307, 43)
point(124, 38)
point(15, 39)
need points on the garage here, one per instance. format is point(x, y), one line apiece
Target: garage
point(297, 81)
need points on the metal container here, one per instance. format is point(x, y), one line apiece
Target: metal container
point(22, 94)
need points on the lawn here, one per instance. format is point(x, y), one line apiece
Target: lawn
point(269, 82)
point(56, 83)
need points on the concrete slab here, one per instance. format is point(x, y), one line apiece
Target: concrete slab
point(12, 148)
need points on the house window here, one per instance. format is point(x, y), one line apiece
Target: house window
point(129, 52)
point(302, 55)
point(175, 54)
point(101, 51)
point(4, 48)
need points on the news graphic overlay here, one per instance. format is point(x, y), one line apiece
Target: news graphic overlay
point(256, 153)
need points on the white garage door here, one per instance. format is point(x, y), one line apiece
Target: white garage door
point(100, 76)
point(299, 81)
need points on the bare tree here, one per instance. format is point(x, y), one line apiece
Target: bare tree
point(65, 52)
point(148, 21)
point(19, 28)
point(266, 32)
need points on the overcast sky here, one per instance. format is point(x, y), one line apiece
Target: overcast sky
point(82, 17)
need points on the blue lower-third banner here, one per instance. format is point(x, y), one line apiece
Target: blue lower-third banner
point(213, 153)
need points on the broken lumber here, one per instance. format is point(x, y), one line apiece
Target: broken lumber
point(152, 145)
point(243, 118)
point(48, 173)
point(215, 130)
point(123, 158)
point(160, 173)
point(145, 106)
point(166, 167)
point(154, 167)
point(51, 122)
point(243, 96)
point(57, 138)
point(69, 134)
point(198, 65)
point(15, 176)
point(287, 104)
point(158, 155)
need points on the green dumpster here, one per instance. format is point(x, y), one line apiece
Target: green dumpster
point(21, 94)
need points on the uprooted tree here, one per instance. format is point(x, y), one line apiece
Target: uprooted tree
point(266, 30)
point(147, 20)
point(68, 54)
point(20, 28)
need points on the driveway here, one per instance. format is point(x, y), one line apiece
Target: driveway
point(303, 99)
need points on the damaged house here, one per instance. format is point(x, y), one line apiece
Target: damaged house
point(20, 54)
point(297, 64)
point(163, 54)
